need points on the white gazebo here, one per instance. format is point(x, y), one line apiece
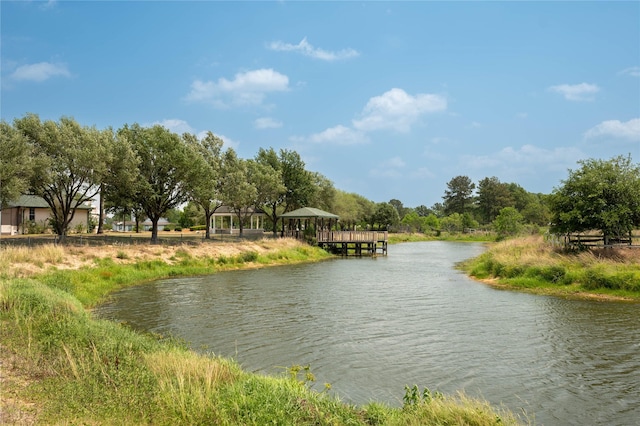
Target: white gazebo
point(225, 221)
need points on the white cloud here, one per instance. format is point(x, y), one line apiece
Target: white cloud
point(617, 129)
point(390, 168)
point(267, 123)
point(397, 110)
point(228, 142)
point(50, 4)
point(305, 48)
point(576, 92)
point(175, 125)
point(248, 88)
point(40, 72)
point(632, 71)
point(338, 135)
point(395, 162)
point(528, 159)
point(422, 173)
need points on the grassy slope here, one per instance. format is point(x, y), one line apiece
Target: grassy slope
point(533, 265)
point(60, 365)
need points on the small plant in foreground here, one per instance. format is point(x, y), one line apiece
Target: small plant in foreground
point(412, 396)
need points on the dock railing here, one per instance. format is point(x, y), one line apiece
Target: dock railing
point(351, 236)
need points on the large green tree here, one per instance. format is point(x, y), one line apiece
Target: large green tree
point(268, 184)
point(15, 163)
point(69, 163)
point(121, 177)
point(238, 193)
point(601, 195)
point(165, 170)
point(297, 180)
point(458, 197)
point(385, 216)
point(206, 186)
point(493, 196)
point(273, 206)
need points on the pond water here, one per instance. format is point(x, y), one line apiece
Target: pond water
point(370, 326)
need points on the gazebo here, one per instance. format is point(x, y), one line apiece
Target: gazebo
point(299, 225)
point(294, 223)
point(225, 221)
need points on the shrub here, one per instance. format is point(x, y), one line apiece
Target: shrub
point(198, 228)
point(166, 228)
point(178, 229)
point(249, 256)
point(554, 274)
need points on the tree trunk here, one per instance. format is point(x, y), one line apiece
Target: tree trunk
point(100, 213)
point(154, 230)
point(207, 221)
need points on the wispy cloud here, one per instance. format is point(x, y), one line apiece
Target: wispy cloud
point(247, 88)
point(397, 110)
point(629, 130)
point(391, 168)
point(338, 135)
point(40, 72)
point(50, 4)
point(576, 92)
point(632, 71)
point(306, 49)
point(174, 124)
point(267, 123)
point(528, 159)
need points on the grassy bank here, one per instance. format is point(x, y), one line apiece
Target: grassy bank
point(61, 365)
point(444, 236)
point(533, 265)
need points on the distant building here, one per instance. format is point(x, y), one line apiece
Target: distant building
point(16, 216)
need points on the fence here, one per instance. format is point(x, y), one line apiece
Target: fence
point(122, 239)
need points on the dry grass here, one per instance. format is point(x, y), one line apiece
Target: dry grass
point(533, 251)
point(22, 262)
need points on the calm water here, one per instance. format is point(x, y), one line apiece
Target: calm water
point(370, 326)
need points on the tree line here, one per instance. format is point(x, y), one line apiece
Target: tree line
point(150, 172)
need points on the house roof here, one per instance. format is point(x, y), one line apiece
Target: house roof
point(36, 201)
point(308, 212)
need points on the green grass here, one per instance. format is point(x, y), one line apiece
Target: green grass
point(444, 236)
point(87, 371)
point(531, 263)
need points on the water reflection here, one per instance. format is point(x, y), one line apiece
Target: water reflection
point(370, 326)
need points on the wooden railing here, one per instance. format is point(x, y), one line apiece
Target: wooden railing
point(586, 240)
point(351, 236)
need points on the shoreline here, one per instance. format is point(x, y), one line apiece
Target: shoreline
point(152, 372)
point(578, 295)
point(531, 265)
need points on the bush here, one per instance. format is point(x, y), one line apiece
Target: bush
point(198, 228)
point(166, 228)
point(35, 228)
point(249, 256)
point(178, 229)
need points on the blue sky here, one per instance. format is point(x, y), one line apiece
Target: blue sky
point(386, 99)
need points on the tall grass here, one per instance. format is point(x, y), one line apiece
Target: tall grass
point(533, 264)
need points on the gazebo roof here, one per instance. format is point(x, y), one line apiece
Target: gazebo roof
point(309, 212)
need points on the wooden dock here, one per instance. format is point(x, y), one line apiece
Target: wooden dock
point(354, 243)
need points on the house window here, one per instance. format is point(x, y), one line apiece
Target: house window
point(32, 214)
